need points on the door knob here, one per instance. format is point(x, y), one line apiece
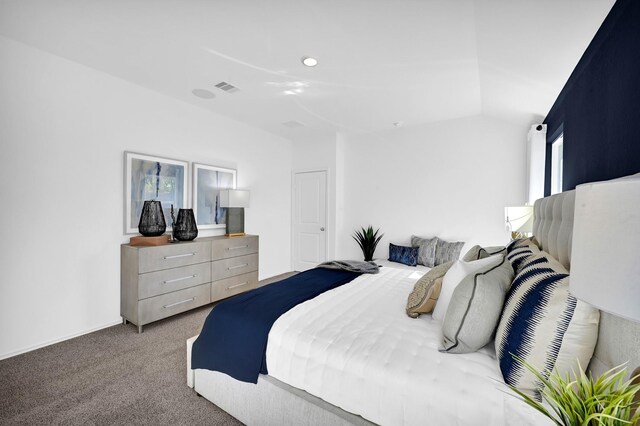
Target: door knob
point(322, 229)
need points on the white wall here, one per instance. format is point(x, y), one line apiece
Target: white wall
point(63, 130)
point(451, 179)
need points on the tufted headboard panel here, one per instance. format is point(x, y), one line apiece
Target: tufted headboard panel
point(618, 338)
point(553, 225)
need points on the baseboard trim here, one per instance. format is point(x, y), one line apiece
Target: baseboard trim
point(58, 340)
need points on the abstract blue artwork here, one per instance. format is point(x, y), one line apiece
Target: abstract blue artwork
point(153, 178)
point(207, 183)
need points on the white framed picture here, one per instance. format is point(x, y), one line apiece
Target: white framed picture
point(207, 183)
point(147, 177)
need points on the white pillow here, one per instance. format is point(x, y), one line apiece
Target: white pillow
point(455, 275)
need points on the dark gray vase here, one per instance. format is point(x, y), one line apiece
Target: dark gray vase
point(184, 227)
point(152, 221)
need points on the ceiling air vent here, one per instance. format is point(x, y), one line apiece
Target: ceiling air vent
point(292, 124)
point(229, 88)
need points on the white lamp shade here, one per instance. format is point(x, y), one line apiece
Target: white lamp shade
point(519, 218)
point(605, 264)
point(234, 198)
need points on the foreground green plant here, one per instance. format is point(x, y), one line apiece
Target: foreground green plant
point(607, 401)
point(368, 240)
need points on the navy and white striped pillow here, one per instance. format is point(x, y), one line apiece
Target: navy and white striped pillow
point(543, 324)
point(519, 242)
point(520, 255)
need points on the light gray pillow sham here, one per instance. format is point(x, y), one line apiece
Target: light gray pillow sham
point(426, 250)
point(446, 251)
point(475, 308)
point(478, 252)
point(472, 254)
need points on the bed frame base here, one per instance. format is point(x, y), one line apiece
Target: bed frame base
point(269, 402)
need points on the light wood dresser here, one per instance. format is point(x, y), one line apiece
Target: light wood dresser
point(160, 281)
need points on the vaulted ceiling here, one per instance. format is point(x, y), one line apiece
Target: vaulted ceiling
point(380, 62)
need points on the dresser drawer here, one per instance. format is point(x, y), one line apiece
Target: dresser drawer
point(173, 256)
point(158, 307)
point(234, 246)
point(229, 286)
point(226, 268)
point(168, 280)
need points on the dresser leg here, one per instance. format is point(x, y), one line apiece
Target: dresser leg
point(124, 321)
point(139, 329)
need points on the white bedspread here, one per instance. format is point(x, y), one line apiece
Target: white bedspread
point(355, 347)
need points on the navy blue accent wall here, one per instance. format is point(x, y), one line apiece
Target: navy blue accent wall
point(599, 105)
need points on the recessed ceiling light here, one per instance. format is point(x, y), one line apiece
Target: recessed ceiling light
point(308, 61)
point(203, 93)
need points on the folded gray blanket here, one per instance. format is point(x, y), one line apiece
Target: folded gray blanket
point(352, 266)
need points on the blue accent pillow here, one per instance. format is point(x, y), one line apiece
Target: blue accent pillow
point(405, 255)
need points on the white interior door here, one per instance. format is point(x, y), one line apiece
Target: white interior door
point(309, 219)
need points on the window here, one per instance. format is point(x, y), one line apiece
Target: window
point(556, 164)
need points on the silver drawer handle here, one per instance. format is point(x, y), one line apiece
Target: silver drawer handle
point(237, 266)
point(175, 256)
point(237, 248)
point(179, 279)
point(179, 303)
point(237, 285)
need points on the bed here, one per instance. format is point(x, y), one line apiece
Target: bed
point(358, 359)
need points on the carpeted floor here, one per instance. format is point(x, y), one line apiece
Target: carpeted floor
point(114, 376)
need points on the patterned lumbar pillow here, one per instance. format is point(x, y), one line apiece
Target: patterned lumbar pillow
point(475, 307)
point(544, 324)
point(401, 254)
point(446, 252)
point(454, 276)
point(426, 291)
point(426, 249)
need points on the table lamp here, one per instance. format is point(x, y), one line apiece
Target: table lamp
point(235, 201)
point(605, 267)
point(519, 220)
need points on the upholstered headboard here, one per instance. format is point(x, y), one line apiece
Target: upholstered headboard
point(618, 338)
point(553, 225)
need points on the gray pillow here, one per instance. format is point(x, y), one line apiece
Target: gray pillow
point(446, 252)
point(472, 254)
point(426, 250)
point(475, 308)
point(477, 252)
point(490, 251)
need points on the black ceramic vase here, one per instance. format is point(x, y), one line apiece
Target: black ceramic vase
point(184, 227)
point(152, 221)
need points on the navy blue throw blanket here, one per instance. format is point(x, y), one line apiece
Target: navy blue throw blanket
point(233, 339)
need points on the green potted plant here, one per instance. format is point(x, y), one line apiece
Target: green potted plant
point(609, 400)
point(367, 239)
